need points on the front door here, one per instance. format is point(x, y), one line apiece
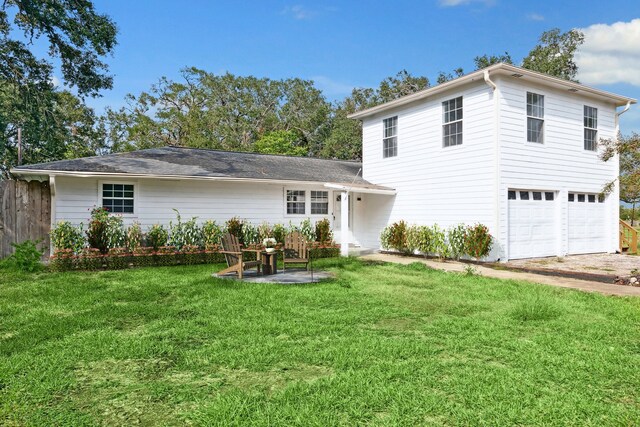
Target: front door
point(337, 216)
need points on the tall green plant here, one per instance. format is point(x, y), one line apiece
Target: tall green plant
point(279, 232)
point(323, 231)
point(234, 227)
point(478, 241)
point(134, 236)
point(65, 236)
point(105, 231)
point(211, 233)
point(184, 233)
point(157, 236)
point(307, 230)
point(439, 246)
point(456, 237)
point(250, 234)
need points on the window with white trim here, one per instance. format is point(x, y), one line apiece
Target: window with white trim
point(390, 137)
point(590, 128)
point(535, 117)
point(452, 122)
point(118, 198)
point(296, 202)
point(319, 202)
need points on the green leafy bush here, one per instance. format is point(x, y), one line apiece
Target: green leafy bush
point(211, 234)
point(478, 241)
point(307, 230)
point(234, 227)
point(157, 236)
point(439, 246)
point(398, 236)
point(250, 234)
point(26, 257)
point(456, 236)
point(97, 230)
point(420, 238)
point(323, 231)
point(66, 236)
point(264, 231)
point(134, 236)
point(279, 232)
point(184, 233)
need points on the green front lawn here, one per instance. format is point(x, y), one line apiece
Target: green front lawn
point(379, 345)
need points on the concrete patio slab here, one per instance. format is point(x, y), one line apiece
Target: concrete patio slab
point(292, 276)
point(563, 282)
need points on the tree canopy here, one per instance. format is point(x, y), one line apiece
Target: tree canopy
point(627, 148)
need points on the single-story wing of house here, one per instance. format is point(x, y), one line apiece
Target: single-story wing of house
point(147, 185)
point(513, 149)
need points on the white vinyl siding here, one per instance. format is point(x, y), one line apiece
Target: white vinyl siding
point(452, 122)
point(390, 137)
point(535, 117)
point(432, 181)
point(590, 128)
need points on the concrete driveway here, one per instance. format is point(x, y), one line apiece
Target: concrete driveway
point(609, 264)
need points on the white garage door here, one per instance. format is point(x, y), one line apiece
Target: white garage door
point(587, 224)
point(533, 230)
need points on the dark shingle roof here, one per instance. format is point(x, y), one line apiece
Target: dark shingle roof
point(190, 162)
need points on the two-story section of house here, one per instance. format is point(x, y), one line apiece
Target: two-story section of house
point(510, 148)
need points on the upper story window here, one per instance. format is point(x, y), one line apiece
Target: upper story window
point(390, 138)
point(117, 198)
point(590, 128)
point(452, 122)
point(295, 202)
point(535, 117)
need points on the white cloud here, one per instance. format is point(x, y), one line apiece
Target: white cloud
point(535, 17)
point(298, 12)
point(55, 81)
point(332, 88)
point(610, 54)
point(452, 3)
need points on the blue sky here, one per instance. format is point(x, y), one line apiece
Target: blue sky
point(345, 44)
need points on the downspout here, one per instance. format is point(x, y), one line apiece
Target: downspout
point(616, 190)
point(52, 208)
point(496, 118)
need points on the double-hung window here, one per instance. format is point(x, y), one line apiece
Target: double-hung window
point(295, 202)
point(118, 198)
point(590, 128)
point(535, 117)
point(452, 122)
point(319, 202)
point(390, 137)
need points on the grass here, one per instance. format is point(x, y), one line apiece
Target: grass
point(379, 345)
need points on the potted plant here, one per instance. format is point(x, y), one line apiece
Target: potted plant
point(269, 244)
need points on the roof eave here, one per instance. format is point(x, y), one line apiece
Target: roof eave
point(41, 173)
point(501, 68)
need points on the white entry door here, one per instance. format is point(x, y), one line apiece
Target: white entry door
point(533, 224)
point(337, 216)
point(587, 224)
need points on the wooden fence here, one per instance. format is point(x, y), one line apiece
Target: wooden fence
point(25, 214)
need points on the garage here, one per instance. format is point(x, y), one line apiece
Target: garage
point(587, 224)
point(533, 224)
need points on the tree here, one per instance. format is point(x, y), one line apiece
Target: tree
point(555, 54)
point(280, 142)
point(628, 150)
point(55, 123)
point(224, 112)
point(485, 60)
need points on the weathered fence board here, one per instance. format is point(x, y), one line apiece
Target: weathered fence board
point(25, 214)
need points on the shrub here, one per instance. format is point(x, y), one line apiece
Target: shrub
point(413, 238)
point(157, 236)
point(66, 236)
point(398, 236)
point(385, 236)
point(211, 234)
point(134, 236)
point(97, 230)
point(264, 231)
point(279, 232)
point(456, 237)
point(184, 233)
point(323, 231)
point(439, 246)
point(478, 241)
point(234, 227)
point(250, 234)
point(307, 230)
point(421, 239)
point(26, 257)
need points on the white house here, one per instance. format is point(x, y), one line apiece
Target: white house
point(507, 147)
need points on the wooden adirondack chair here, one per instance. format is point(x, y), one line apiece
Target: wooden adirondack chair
point(295, 250)
point(233, 254)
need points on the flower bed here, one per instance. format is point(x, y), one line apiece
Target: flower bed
point(120, 258)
